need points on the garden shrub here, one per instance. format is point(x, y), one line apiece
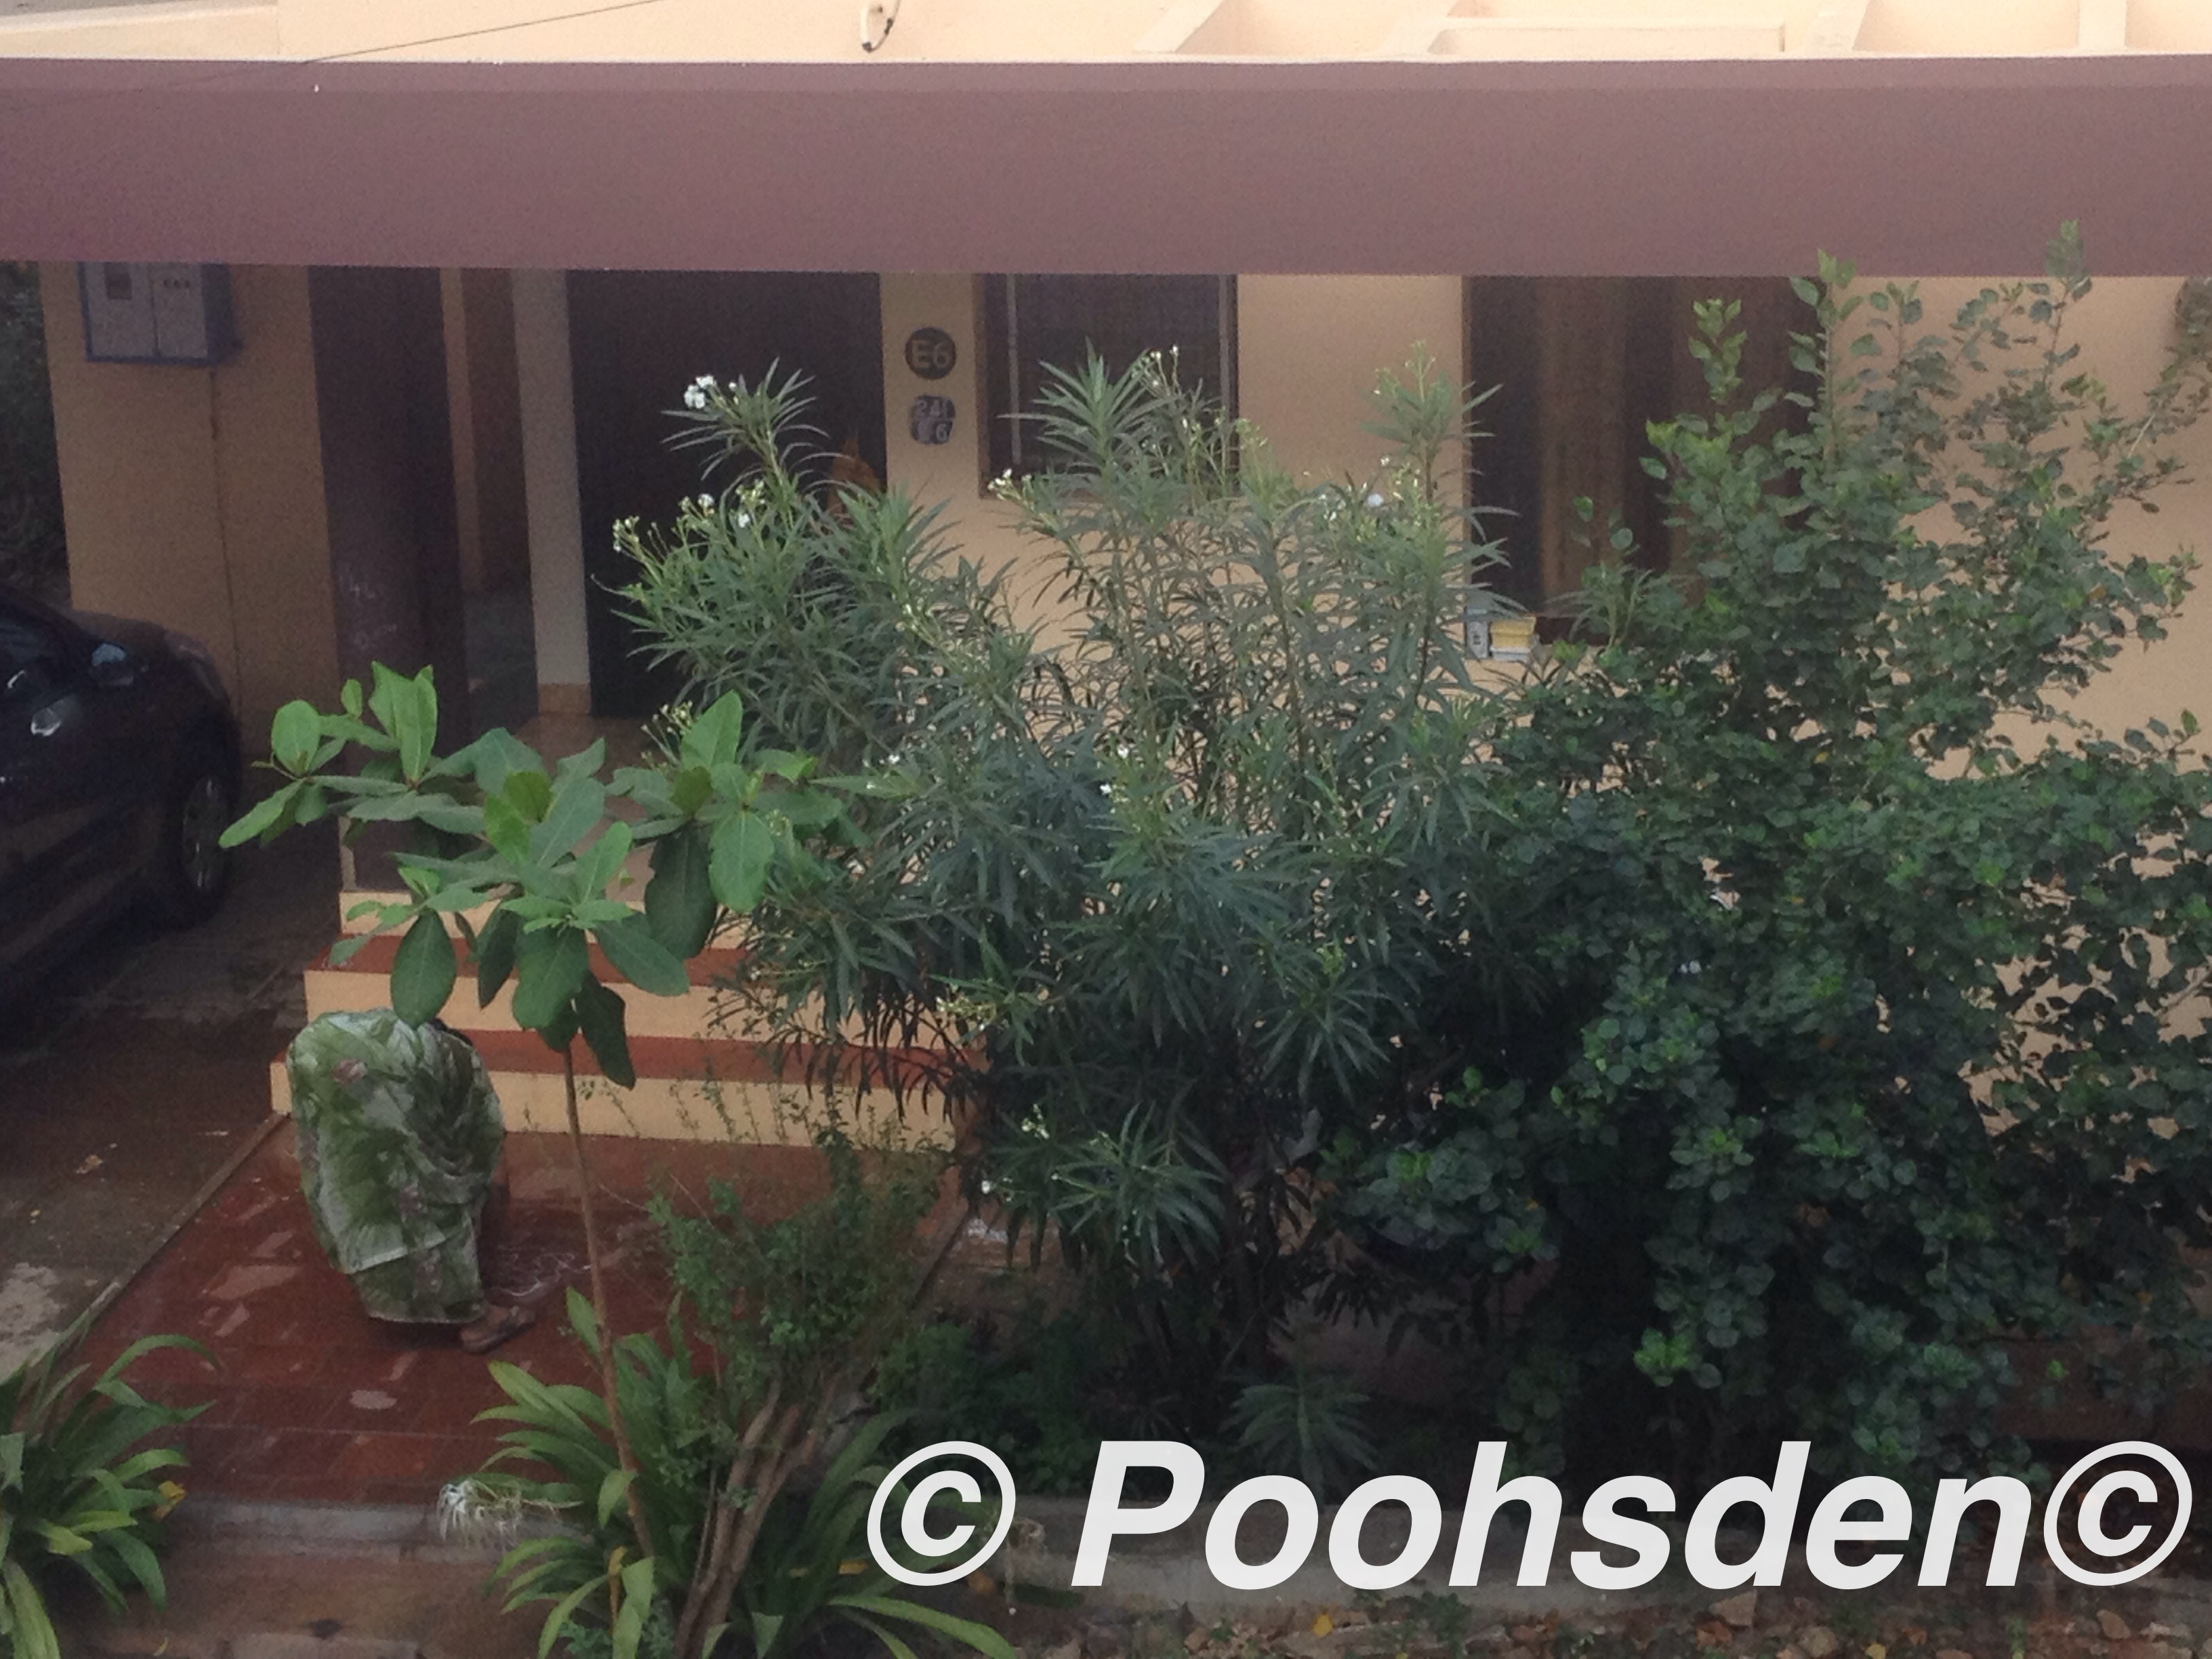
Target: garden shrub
point(753, 1502)
point(1745, 1025)
point(1871, 1036)
point(1176, 899)
point(1031, 1391)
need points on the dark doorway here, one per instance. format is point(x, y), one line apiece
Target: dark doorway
point(637, 339)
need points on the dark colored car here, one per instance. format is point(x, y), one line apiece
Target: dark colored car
point(119, 769)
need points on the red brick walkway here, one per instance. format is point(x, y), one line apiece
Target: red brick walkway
point(310, 1398)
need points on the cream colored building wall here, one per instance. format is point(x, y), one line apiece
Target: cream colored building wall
point(193, 497)
point(1308, 349)
point(952, 474)
point(830, 31)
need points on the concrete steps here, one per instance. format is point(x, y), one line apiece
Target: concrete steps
point(699, 1077)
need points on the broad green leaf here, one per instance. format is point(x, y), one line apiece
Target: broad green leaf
point(585, 762)
point(690, 790)
point(531, 793)
point(640, 959)
point(294, 736)
point(599, 864)
point(782, 763)
point(561, 1030)
point(492, 759)
point(601, 1018)
point(738, 866)
point(578, 806)
point(550, 966)
point(423, 971)
point(679, 899)
point(713, 736)
point(808, 809)
point(495, 950)
point(409, 711)
point(267, 818)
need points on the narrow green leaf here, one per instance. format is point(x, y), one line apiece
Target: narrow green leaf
point(892, 1644)
point(982, 1637)
point(611, 1490)
point(60, 1539)
point(563, 1610)
point(34, 1631)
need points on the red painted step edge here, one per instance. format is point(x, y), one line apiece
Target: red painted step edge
point(709, 967)
point(722, 1059)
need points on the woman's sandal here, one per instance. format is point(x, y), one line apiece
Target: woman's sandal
point(494, 1326)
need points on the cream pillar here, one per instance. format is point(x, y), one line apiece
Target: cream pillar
point(547, 394)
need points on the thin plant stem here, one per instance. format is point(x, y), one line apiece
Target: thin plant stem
point(609, 1392)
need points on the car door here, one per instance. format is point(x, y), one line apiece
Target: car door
point(67, 799)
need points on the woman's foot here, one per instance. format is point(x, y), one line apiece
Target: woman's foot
point(494, 1325)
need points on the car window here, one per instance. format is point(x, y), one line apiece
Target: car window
point(31, 659)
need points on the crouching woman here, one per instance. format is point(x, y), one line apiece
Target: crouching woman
point(399, 1134)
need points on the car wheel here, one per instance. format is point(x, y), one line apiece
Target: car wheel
point(191, 867)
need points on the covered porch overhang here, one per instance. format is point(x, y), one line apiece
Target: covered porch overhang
point(1930, 166)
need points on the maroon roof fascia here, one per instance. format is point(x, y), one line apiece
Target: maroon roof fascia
point(1930, 166)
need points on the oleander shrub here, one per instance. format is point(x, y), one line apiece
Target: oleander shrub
point(1750, 1022)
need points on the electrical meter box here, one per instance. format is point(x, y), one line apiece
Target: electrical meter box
point(148, 314)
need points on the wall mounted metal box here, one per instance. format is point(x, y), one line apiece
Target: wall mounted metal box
point(149, 314)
